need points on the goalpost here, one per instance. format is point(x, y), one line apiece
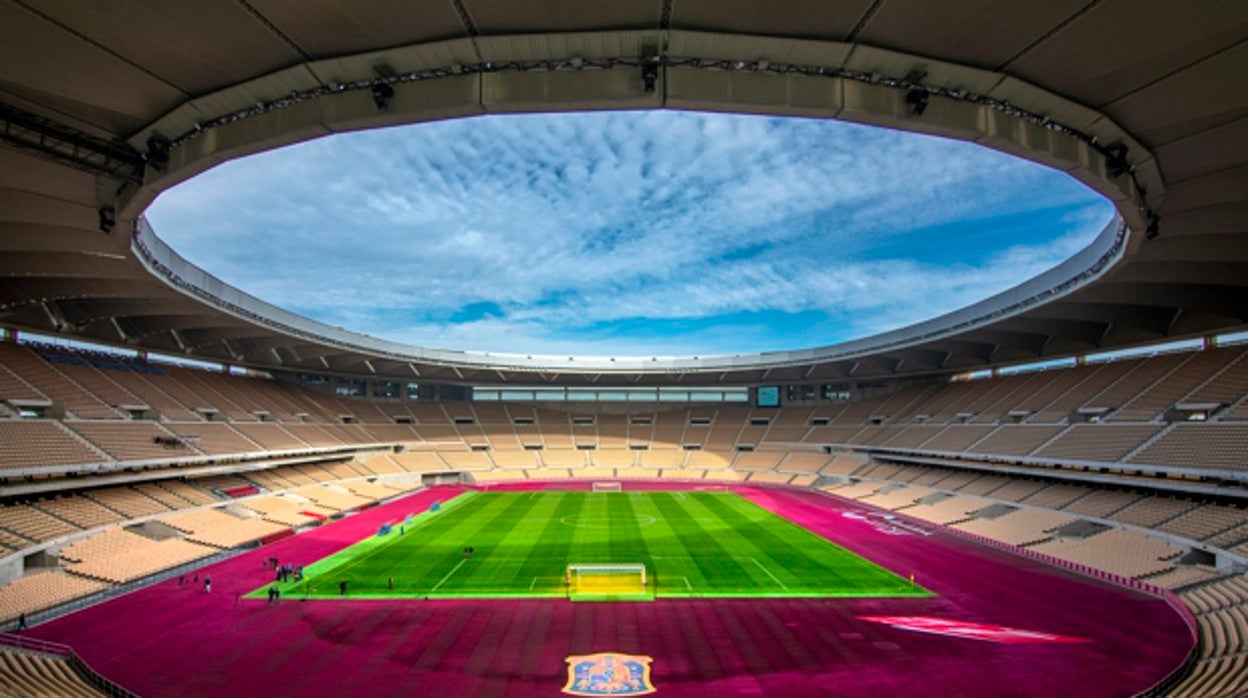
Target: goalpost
point(606, 581)
point(607, 487)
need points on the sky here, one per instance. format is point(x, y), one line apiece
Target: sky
point(627, 234)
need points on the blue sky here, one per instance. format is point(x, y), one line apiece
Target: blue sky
point(627, 234)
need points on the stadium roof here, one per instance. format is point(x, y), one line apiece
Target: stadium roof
point(104, 105)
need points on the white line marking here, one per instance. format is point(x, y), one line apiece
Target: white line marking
point(448, 574)
point(769, 574)
point(687, 584)
point(533, 584)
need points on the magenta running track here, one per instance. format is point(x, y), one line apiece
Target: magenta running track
point(172, 640)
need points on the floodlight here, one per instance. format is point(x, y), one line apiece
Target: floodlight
point(917, 101)
point(1116, 159)
point(158, 148)
point(108, 219)
point(650, 73)
point(382, 94)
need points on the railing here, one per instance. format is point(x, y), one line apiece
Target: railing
point(84, 670)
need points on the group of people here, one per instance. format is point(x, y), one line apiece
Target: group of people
point(195, 580)
point(284, 572)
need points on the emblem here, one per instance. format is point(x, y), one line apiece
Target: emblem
point(609, 674)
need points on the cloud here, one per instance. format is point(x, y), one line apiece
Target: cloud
point(627, 233)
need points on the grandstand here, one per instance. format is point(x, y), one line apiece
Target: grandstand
point(1080, 437)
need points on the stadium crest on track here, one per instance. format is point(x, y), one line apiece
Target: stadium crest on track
point(609, 674)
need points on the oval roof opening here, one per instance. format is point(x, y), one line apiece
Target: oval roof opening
point(628, 233)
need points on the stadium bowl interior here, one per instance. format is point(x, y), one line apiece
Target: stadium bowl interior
point(1102, 500)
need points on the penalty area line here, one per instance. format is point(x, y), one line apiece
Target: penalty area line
point(453, 571)
point(769, 574)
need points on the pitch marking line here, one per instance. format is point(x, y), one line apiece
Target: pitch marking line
point(453, 571)
point(769, 574)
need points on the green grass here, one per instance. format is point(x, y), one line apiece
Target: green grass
point(710, 544)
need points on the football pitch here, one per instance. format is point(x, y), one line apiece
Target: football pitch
point(693, 544)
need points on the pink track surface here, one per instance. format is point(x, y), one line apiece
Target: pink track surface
point(171, 640)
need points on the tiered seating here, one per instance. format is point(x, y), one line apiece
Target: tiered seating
point(130, 440)
point(270, 436)
point(30, 443)
point(1016, 439)
point(213, 438)
point(1145, 373)
point(80, 511)
point(476, 460)
point(856, 490)
point(1097, 378)
point(31, 523)
point(955, 479)
point(382, 464)
point(1220, 612)
point(770, 478)
point(1018, 490)
point(1199, 446)
point(1184, 575)
point(219, 529)
point(913, 436)
point(147, 389)
point(212, 389)
point(342, 470)
point(800, 462)
point(231, 483)
point(1226, 388)
point(950, 510)
point(184, 491)
point(1151, 511)
point(128, 502)
point(842, 465)
point(1099, 442)
point(117, 556)
point(332, 498)
point(1196, 368)
point(1102, 503)
point(12, 387)
point(11, 542)
point(1123, 552)
point(43, 590)
point(757, 460)
point(420, 462)
point(897, 499)
point(1022, 527)
point(1056, 496)
point(374, 490)
point(280, 510)
point(1206, 521)
point(40, 676)
point(37, 372)
point(957, 438)
point(983, 485)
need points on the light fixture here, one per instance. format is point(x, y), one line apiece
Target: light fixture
point(158, 152)
point(382, 94)
point(1116, 159)
point(916, 100)
point(108, 219)
point(650, 74)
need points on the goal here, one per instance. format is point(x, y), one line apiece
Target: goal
point(607, 487)
point(607, 581)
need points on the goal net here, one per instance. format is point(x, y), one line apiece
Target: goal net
point(607, 581)
point(607, 487)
